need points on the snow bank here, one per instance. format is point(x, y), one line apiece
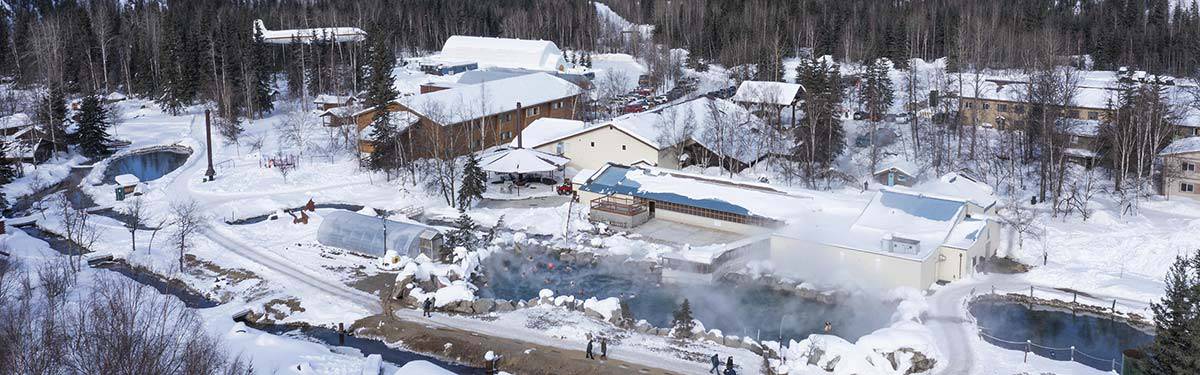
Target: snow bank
point(607, 307)
point(422, 368)
point(457, 291)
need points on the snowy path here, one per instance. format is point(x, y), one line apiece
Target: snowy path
point(951, 325)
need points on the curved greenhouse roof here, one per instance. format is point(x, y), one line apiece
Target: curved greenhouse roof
point(364, 234)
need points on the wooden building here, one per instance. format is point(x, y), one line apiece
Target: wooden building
point(1002, 103)
point(469, 118)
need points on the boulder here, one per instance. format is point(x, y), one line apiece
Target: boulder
point(483, 305)
point(503, 305)
point(642, 327)
point(462, 307)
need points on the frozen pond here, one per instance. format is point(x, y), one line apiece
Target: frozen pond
point(147, 166)
point(736, 310)
point(1101, 338)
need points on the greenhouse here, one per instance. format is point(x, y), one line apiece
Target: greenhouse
point(365, 234)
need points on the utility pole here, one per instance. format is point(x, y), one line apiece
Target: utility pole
point(210, 174)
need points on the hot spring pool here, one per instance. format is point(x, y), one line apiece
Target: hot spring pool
point(147, 166)
point(737, 310)
point(1101, 338)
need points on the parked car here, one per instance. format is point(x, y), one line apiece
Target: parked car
point(634, 108)
point(859, 115)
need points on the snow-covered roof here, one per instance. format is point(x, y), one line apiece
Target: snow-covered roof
point(713, 193)
point(15, 121)
point(127, 180)
point(904, 166)
point(647, 127)
point(547, 129)
point(1080, 128)
point(505, 52)
point(336, 34)
point(521, 160)
point(340, 112)
point(333, 99)
point(768, 92)
point(472, 77)
point(1087, 95)
point(470, 102)
point(966, 233)
point(961, 186)
point(364, 234)
point(895, 215)
point(1182, 146)
point(400, 120)
point(582, 176)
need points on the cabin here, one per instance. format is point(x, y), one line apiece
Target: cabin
point(1178, 173)
point(337, 116)
point(896, 174)
point(470, 118)
point(325, 102)
point(643, 138)
point(127, 185)
point(23, 141)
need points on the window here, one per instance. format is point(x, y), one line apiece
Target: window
point(987, 106)
point(506, 135)
point(556, 105)
point(1074, 113)
point(507, 117)
point(1002, 107)
point(622, 147)
point(593, 144)
point(560, 147)
point(1187, 167)
point(532, 111)
point(1187, 188)
point(1019, 108)
point(968, 105)
point(1093, 115)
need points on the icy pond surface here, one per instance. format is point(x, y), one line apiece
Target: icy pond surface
point(735, 310)
point(1097, 337)
point(147, 166)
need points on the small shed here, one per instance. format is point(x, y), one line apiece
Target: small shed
point(365, 234)
point(126, 185)
point(895, 175)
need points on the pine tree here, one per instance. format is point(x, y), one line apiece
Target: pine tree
point(1174, 349)
point(261, 99)
point(474, 182)
point(463, 235)
point(52, 116)
point(683, 322)
point(92, 134)
point(385, 154)
point(877, 96)
point(587, 59)
point(8, 168)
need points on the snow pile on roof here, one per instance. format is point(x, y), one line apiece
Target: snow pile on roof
point(966, 233)
point(1087, 95)
point(127, 180)
point(504, 52)
point(471, 102)
point(547, 129)
point(767, 92)
point(959, 185)
point(400, 120)
point(521, 160)
point(336, 34)
point(364, 234)
point(1080, 128)
point(339, 112)
point(15, 121)
point(905, 166)
point(701, 191)
point(1182, 146)
point(895, 215)
point(472, 77)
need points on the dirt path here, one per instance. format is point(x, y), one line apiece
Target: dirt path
point(519, 357)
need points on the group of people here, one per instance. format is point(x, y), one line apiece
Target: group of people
point(716, 362)
point(603, 348)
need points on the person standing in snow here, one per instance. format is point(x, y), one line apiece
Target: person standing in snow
point(603, 348)
point(729, 367)
point(716, 362)
point(589, 354)
point(828, 327)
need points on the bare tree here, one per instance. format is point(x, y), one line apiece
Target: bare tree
point(676, 126)
point(294, 130)
point(135, 218)
point(188, 221)
point(78, 229)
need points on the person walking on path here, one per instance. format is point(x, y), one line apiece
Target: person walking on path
point(603, 348)
point(589, 354)
point(729, 367)
point(716, 362)
point(425, 307)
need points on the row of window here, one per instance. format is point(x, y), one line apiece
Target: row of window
point(712, 214)
point(1020, 109)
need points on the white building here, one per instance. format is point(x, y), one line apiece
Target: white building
point(507, 53)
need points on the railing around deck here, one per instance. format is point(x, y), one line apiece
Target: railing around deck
point(618, 205)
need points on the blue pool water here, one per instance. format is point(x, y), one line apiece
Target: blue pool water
point(147, 166)
point(1098, 337)
point(736, 310)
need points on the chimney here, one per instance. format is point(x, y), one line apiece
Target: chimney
point(520, 126)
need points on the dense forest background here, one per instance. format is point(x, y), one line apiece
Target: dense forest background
point(183, 52)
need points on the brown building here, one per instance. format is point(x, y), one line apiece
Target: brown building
point(467, 118)
point(327, 102)
point(1001, 103)
point(1180, 175)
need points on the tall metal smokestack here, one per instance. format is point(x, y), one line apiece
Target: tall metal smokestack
point(520, 126)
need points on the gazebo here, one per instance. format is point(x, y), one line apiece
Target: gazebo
point(521, 161)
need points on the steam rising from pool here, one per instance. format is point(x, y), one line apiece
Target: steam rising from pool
point(751, 310)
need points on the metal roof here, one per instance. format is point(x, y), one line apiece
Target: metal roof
point(613, 179)
point(364, 234)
